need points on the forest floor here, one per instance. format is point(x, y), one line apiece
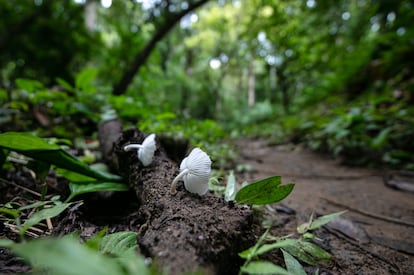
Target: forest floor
point(375, 235)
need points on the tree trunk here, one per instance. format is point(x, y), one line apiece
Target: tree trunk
point(142, 56)
point(251, 94)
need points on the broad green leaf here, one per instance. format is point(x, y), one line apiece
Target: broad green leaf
point(119, 243)
point(73, 176)
point(44, 214)
point(293, 265)
point(264, 268)
point(24, 142)
point(231, 187)
point(316, 223)
point(77, 188)
point(265, 191)
point(39, 149)
point(296, 250)
point(66, 256)
point(315, 251)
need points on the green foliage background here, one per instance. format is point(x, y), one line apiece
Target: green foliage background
point(335, 76)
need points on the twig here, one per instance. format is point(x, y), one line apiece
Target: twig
point(49, 224)
point(21, 187)
point(369, 214)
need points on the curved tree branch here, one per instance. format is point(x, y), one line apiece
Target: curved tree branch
point(142, 56)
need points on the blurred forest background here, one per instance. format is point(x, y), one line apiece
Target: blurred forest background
point(336, 76)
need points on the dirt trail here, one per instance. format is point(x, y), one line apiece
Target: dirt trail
point(323, 186)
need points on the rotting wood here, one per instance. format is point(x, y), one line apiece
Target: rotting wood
point(182, 232)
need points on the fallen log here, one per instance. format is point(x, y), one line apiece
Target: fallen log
point(182, 232)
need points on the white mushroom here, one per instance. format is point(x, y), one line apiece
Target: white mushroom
point(145, 150)
point(195, 172)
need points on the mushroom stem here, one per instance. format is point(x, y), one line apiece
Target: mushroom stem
point(177, 178)
point(130, 147)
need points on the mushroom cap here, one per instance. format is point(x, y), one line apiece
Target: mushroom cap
point(198, 164)
point(146, 152)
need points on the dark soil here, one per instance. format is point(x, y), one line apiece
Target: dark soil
point(185, 231)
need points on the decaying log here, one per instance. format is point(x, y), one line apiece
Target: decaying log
point(182, 232)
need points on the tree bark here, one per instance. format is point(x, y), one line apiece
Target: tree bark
point(142, 56)
point(182, 232)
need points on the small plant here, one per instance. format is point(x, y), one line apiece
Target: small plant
point(301, 248)
point(20, 218)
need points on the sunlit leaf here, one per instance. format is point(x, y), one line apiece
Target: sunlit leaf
point(231, 187)
point(293, 265)
point(264, 191)
point(264, 268)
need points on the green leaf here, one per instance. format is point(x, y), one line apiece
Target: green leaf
point(95, 241)
point(8, 211)
point(77, 188)
point(24, 142)
point(124, 245)
point(231, 187)
point(39, 149)
point(44, 214)
point(28, 84)
point(297, 251)
point(265, 248)
point(6, 243)
point(251, 252)
point(83, 79)
point(265, 191)
point(315, 251)
point(119, 243)
point(293, 265)
point(66, 256)
point(64, 84)
point(316, 223)
point(264, 268)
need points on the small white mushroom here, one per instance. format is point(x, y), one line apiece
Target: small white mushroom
point(145, 150)
point(195, 172)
